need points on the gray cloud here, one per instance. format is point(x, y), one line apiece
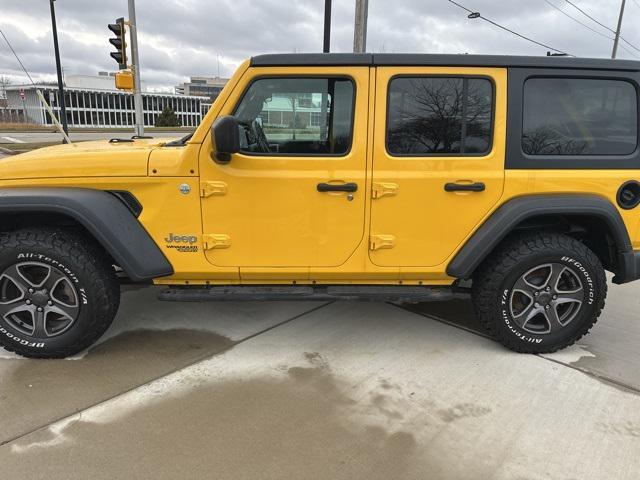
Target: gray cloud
point(179, 38)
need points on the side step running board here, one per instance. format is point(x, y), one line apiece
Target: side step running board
point(372, 293)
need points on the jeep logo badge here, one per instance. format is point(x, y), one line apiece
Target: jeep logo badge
point(173, 238)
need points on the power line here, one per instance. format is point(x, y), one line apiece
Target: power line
point(477, 15)
point(589, 28)
point(628, 51)
point(578, 21)
point(601, 24)
point(17, 58)
point(589, 16)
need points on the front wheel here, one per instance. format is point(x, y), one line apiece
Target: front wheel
point(540, 293)
point(58, 292)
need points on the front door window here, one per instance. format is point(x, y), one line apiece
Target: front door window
point(296, 116)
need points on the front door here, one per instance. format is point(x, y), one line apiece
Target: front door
point(438, 164)
point(294, 195)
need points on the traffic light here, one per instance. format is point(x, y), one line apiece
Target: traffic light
point(119, 42)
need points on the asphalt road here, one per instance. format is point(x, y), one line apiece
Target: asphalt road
point(10, 137)
point(324, 390)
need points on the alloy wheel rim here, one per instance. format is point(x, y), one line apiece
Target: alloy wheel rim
point(38, 300)
point(546, 298)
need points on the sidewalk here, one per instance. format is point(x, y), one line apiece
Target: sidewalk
point(345, 391)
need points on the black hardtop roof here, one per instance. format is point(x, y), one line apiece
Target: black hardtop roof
point(421, 59)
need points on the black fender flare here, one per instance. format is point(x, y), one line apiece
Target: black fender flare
point(105, 216)
point(511, 213)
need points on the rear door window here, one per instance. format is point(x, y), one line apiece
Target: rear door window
point(436, 115)
point(579, 116)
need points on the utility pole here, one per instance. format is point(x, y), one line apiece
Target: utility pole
point(326, 46)
point(63, 109)
point(617, 38)
point(135, 60)
point(360, 30)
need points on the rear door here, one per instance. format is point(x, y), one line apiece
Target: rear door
point(438, 165)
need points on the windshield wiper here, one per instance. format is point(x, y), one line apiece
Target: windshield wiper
point(179, 143)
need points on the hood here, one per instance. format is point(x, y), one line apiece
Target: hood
point(84, 159)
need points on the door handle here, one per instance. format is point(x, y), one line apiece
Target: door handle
point(464, 187)
point(337, 187)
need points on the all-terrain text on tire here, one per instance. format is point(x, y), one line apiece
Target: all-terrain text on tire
point(540, 293)
point(58, 292)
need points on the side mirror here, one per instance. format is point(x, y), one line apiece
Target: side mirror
point(225, 133)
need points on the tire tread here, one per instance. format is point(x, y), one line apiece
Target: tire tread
point(488, 279)
point(76, 249)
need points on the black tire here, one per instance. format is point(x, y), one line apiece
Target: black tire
point(510, 294)
point(80, 303)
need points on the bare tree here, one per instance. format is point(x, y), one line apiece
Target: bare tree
point(549, 140)
point(438, 115)
point(293, 100)
point(4, 83)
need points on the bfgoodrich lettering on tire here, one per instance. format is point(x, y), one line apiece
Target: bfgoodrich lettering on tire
point(58, 292)
point(540, 292)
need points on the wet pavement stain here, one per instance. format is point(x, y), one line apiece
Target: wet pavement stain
point(463, 410)
point(627, 429)
point(381, 402)
point(318, 377)
point(158, 343)
point(296, 423)
point(386, 384)
point(35, 391)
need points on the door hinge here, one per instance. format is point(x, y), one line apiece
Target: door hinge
point(208, 189)
point(216, 240)
point(382, 189)
point(376, 242)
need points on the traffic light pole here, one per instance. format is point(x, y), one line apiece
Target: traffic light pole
point(135, 60)
point(63, 109)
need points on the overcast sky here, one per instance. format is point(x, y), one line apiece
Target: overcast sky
point(180, 38)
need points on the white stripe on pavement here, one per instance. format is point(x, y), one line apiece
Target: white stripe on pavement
point(14, 140)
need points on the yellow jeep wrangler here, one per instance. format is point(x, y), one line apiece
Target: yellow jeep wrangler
point(330, 176)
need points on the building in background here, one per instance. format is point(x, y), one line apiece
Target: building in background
point(92, 101)
point(102, 81)
point(278, 112)
point(202, 87)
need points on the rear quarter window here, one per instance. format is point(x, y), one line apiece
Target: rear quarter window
point(579, 117)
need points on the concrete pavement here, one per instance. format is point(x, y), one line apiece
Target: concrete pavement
point(340, 390)
point(611, 352)
point(138, 348)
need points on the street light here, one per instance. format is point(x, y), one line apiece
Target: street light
point(63, 109)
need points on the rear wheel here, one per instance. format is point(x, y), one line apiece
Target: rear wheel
point(58, 293)
point(540, 293)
